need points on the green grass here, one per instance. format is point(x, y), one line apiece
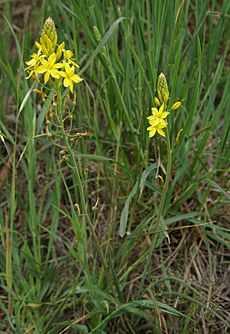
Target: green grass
point(64, 265)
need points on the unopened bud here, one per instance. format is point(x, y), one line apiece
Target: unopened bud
point(49, 28)
point(48, 39)
point(178, 135)
point(156, 101)
point(176, 105)
point(162, 88)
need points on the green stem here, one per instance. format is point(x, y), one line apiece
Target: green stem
point(75, 169)
point(160, 213)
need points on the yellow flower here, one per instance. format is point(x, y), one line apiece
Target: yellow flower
point(70, 77)
point(36, 58)
point(157, 121)
point(68, 54)
point(51, 57)
point(59, 50)
point(158, 117)
point(34, 63)
point(49, 68)
point(157, 128)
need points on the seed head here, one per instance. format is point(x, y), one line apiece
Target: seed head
point(97, 33)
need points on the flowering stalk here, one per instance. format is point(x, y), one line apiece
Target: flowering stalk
point(75, 168)
point(165, 186)
point(158, 119)
point(56, 66)
point(158, 124)
point(52, 60)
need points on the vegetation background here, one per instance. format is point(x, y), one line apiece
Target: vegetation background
point(58, 274)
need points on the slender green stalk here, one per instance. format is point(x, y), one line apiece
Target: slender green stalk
point(160, 213)
point(76, 173)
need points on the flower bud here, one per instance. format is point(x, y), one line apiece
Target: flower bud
point(156, 101)
point(49, 28)
point(178, 135)
point(48, 39)
point(176, 105)
point(162, 89)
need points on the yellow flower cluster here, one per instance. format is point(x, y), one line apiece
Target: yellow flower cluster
point(157, 120)
point(52, 60)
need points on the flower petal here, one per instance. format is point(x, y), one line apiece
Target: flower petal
point(152, 132)
point(66, 82)
point(71, 86)
point(162, 124)
point(59, 50)
point(62, 74)
point(164, 114)
point(150, 128)
point(162, 108)
point(41, 69)
point(31, 62)
point(58, 65)
point(67, 68)
point(52, 59)
point(55, 74)
point(154, 111)
point(47, 77)
point(43, 61)
point(76, 78)
point(73, 63)
point(154, 121)
point(161, 132)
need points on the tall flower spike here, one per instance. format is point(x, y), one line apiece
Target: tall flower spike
point(158, 119)
point(162, 89)
point(51, 57)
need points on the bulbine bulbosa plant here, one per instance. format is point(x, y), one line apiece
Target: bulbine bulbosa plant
point(158, 124)
point(53, 68)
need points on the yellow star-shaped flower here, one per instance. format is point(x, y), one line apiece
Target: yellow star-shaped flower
point(158, 116)
point(70, 77)
point(33, 63)
point(50, 68)
point(157, 128)
point(157, 121)
point(68, 54)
